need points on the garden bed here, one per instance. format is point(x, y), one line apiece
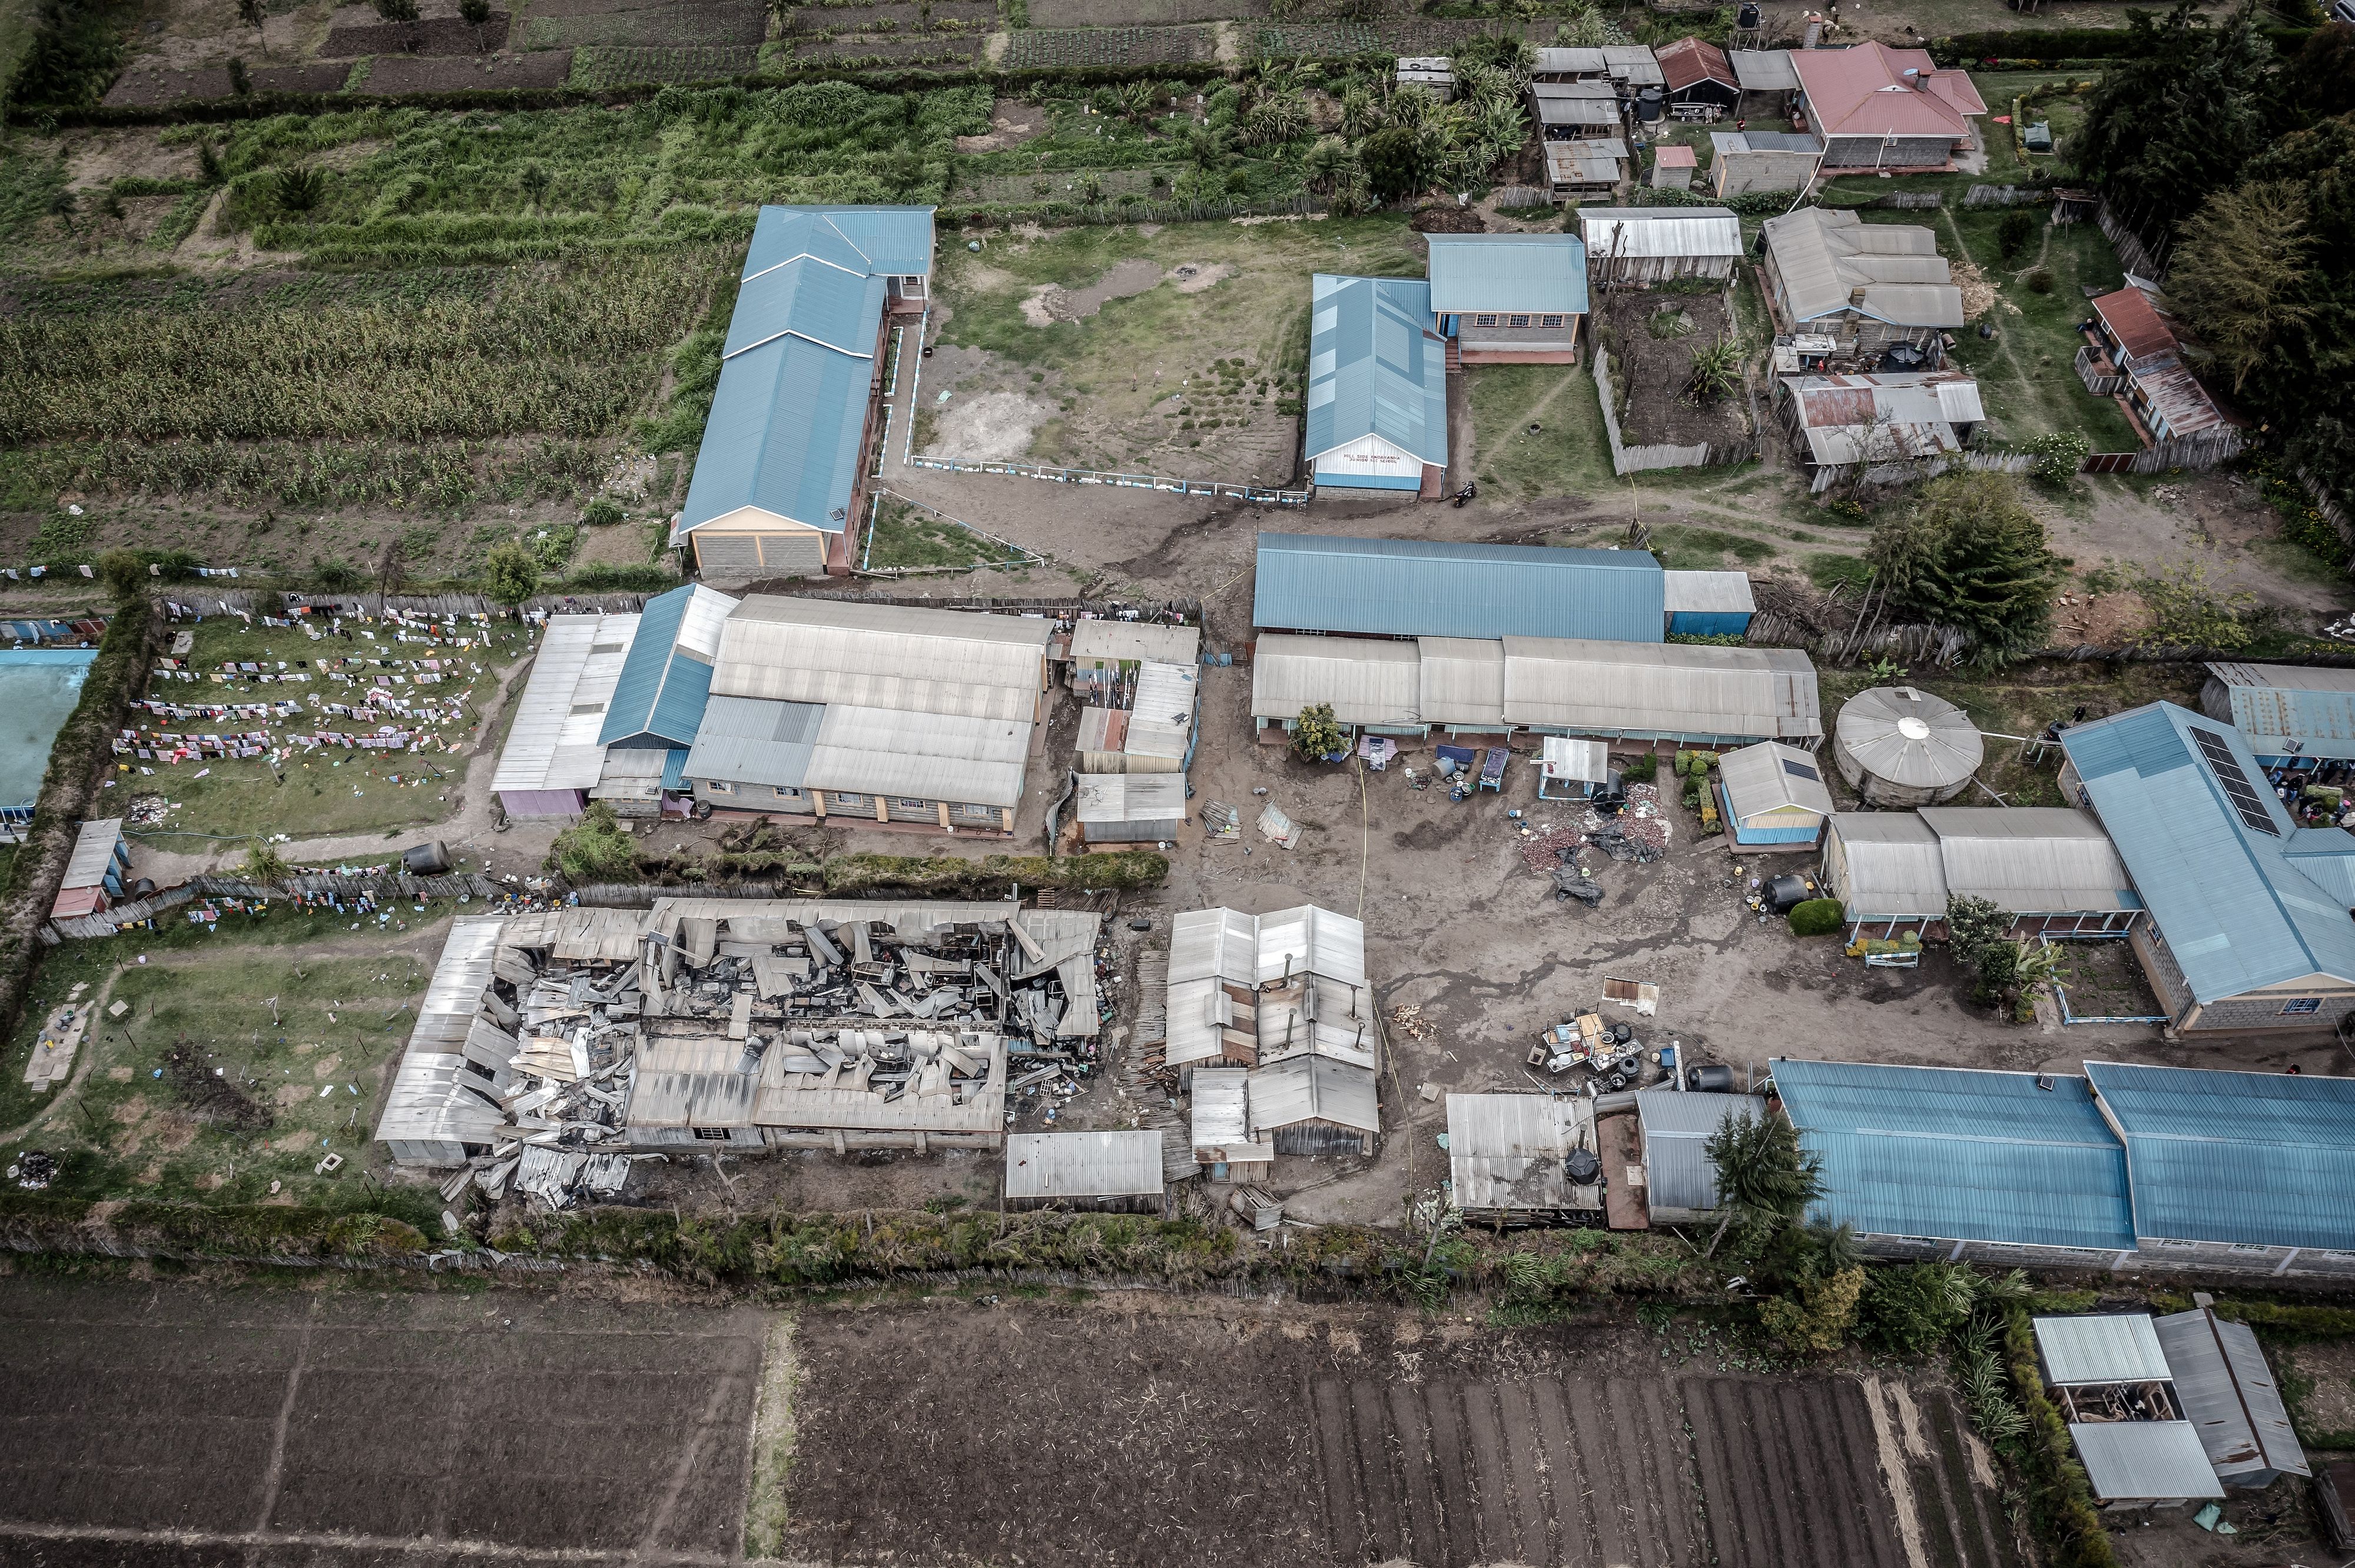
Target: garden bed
point(672, 25)
point(143, 90)
point(400, 73)
point(1651, 373)
point(435, 36)
point(976, 16)
point(1143, 12)
point(597, 66)
point(1055, 49)
point(925, 49)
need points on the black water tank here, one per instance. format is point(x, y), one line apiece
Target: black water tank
point(1748, 16)
point(1583, 1166)
point(1714, 1079)
point(1647, 105)
point(426, 860)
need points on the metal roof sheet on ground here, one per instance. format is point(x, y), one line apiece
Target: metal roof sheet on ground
point(1715, 593)
point(1131, 798)
point(747, 740)
point(1463, 681)
point(1221, 1118)
point(1425, 587)
point(1161, 717)
point(1375, 368)
point(1508, 272)
point(886, 656)
point(553, 743)
point(1313, 1089)
point(2101, 1347)
point(2276, 704)
point(1677, 1126)
point(666, 675)
point(1772, 777)
point(1083, 1164)
point(2228, 1393)
point(93, 852)
point(435, 1097)
point(1894, 869)
point(2130, 1459)
point(1826, 257)
point(1367, 681)
point(1958, 1154)
point(1909, 736)
point(1764, 70)
point(1505, 1151)
point(1668, 231)
point(2254, 1158)
point(921, 755)
point(1586, 686)
point(2029, 860)
point(2237, 913)
point(1126, 641)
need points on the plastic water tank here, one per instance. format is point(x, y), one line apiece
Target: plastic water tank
point(1648, 104)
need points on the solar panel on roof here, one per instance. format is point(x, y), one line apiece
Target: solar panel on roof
point(1800, 771)
point(2227, 769)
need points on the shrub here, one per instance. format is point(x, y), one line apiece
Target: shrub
point(1909, 1310)
point(2011, 235)
point(1643, 770)
point(1817, 1322)
point(1970, 555)
point(605, 510)
point(1817, 918)
point(595, 849)
point(2058, 455)
point(1317, 734)
point(510, 573)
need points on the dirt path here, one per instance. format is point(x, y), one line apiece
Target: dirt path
point(337, 947)
point(468, 828)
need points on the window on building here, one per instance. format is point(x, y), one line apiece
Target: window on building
point(912, 805)
point(1551, 321)
point(1520, 320)
point(720, 787)
point(784, 792)
point(842, 798)
point(712, 1135)
point(1484, 320)
point(2302, 1005)
point(978, 813)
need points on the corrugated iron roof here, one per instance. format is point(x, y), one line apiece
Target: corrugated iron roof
point(1909, 736)
point(1131, 798)
point(1122, 641)
point(2176, 396)
point(1893, 868)
point(2274, 704)
point(1864, 91)
point(1660, 231)
point(1221, 1118)
point(1462, 680)
point(1366, 680)
point(2127, 1461)
point(1677, 1126)
point(1957, 1154)
point(1831, 261)
point(1589, 687)
point(1313, 1089)
point(553, 744)
point(1425, 588)
point(887, 238)
point(1687, 62)
point(1772, 777)
point(93, 852)
point(1712, 593)
point(2029, 860)
point(2134, 324)
point(2258, 1159)
point(435, 1097)
point(1538, 272)
point(2101, 1347)
point(965, 758)
point(2237, 911)
point(1083, 1164)
point(750, 740)
point(666, 675)
point(1161, 719)
point(1764, 70)
point(2229, 1394)
point(916, 661)
point(1505, 1151)
point(1375, 367)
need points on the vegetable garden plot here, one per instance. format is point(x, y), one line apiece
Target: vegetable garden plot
point(398, 73)
point(143, 90)
point(1142, 12)
point(1037, 49)
point(667, 25)
point(438, 35)
point(1330, 40)
point(975, 15)
point(930, 49)
point(604, 65)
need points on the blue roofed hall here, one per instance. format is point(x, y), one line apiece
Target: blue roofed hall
point(667, 677)
point(1951, 1154)
point(2248, 926)
point(2237, 1159)
point(1425, 588)
point(1377, 403)
point(779, 480)
point(1510, 299)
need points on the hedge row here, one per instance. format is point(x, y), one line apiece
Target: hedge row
point(2060, 1498)
point(2053, 45)
point(858, 876)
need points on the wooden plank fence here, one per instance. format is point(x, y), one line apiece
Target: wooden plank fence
point(2332, 513)
point(2196, 453)
point(2132, 254)
point(2007, 196)
point(2097, 383)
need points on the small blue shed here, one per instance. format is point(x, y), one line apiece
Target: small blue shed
point(1709, 604)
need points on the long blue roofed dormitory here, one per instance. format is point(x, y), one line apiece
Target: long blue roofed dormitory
point(780, 478)
point(2126, 1167)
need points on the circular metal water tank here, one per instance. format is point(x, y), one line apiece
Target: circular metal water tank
point(1900, 746)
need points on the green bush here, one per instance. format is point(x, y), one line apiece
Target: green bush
point(1643, 770)
point(595, 849)
point(1910, 1310)
point(1817, 918)
point(602, 512)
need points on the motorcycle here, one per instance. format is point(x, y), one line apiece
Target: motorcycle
point(1471, 489)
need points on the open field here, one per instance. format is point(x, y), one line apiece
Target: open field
point(1179, 351)
point(331, 790)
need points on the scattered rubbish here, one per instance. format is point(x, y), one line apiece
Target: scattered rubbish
point(34, 1170)
point(1221, 822)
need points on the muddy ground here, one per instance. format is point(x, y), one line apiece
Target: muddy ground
point(1653, 372)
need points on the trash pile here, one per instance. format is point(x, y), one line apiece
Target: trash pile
point(1223, 822)
point(148, 811)
point(34, 1170)
point(1542, 847)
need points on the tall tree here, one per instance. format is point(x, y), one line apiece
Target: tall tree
point(2242, 275)
point(2318, 83)
point(2178, 118)
point(1971, 554)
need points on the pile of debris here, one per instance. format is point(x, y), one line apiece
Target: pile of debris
point(1540, 847)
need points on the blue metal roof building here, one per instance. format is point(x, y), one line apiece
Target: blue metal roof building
point(1421, 588)
point(1955, 1155)
point(2286, 711)
point(777, 479)
point(2241, 1159)
point(2252, 929)
point(667, 677)
point(1508, 272)
point(1377, 405)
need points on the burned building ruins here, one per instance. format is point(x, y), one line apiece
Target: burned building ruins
point(555, 1045)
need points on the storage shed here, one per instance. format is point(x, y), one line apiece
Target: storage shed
point(1524, 1158)
point(1774, 798)
point(1436, 74)
point(93, 880)
point(1652, 244)
point(1576, 111)
point(1571, 770)
point(1221, 1120)
point(1742, 162)
point(1130, 807)
point(1101, 645)
point(2286, 711)
point(1316, 1106)
point(1696, 73)
point(1897, 746)
point(2144, 1464)
point(1679, 1178)
point(1115, 1172)
point(2228, 1393)
point(1672, 166)
point(1709, 604)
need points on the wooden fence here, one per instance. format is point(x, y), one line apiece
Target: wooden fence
point(1626, 459)
point(209, 600)
point(2132, 254)
point(1830, 474)
point(2204, 450)
point(2007, 196)
point(2332, 513)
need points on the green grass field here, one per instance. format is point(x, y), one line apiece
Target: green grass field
point(1568, 454)
point(327, 792)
